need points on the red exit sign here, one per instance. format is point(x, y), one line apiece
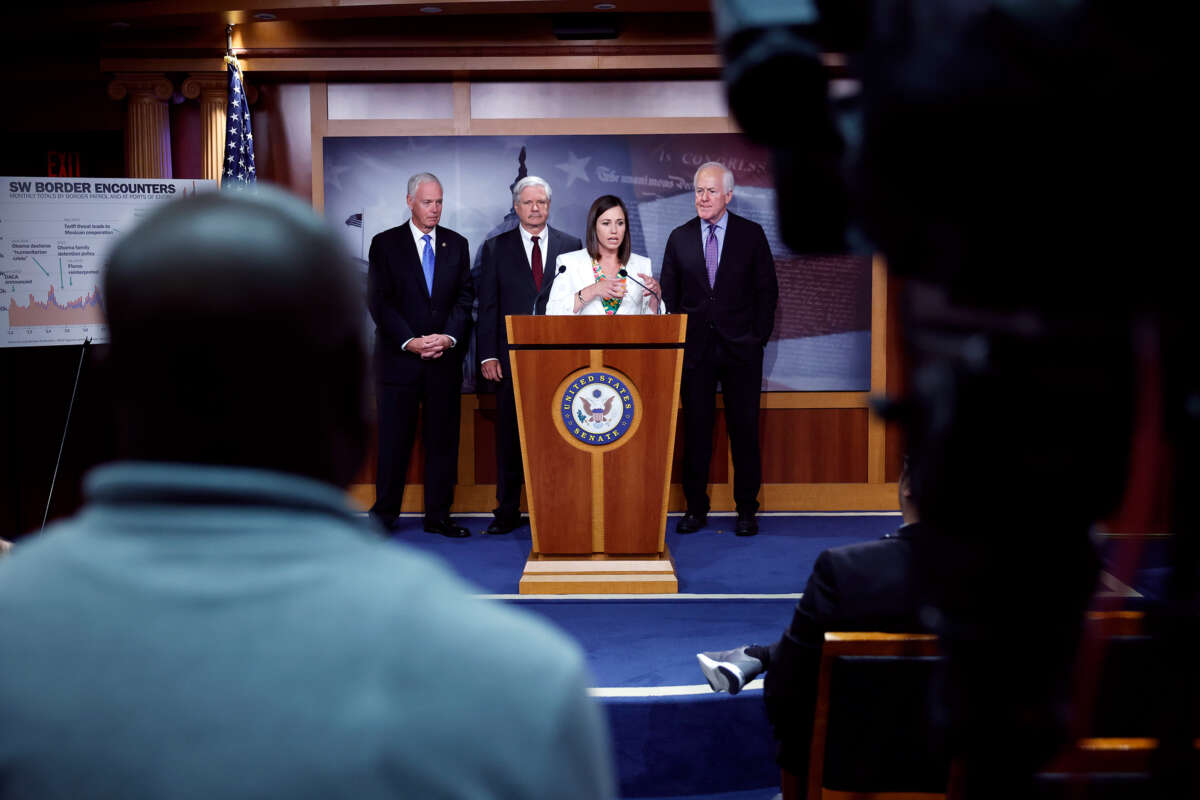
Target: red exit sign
point(61, 164)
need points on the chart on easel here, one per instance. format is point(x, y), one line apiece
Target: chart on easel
point(54, 237)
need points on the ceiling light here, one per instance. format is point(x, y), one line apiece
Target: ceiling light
point(604, 6)
point(431, 9)
point(264, 16)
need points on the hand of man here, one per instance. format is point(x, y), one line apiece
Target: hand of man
point(430, 346)
point(491, 370)
point(435, 345)
point(415, 345)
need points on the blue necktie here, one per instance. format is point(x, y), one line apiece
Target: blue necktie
point(427, 263)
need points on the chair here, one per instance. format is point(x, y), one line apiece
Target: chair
point(869, 728)
point(1114, 746)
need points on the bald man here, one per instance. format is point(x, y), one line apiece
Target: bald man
point(216, 621)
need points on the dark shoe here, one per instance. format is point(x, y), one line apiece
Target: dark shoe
point(730, 670)
point(389, 522)
point(503, 525)
point(690, 523)
point(446, 527)
point(746, 526)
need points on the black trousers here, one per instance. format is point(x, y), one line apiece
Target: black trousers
point(433, 396)
point(741, 385)
point(510, 474)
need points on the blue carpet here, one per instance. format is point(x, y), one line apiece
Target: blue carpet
point(654, 642)
point(664, 746)
point(703, 746)
point(712, 561)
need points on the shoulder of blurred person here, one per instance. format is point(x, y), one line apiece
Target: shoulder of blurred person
point(257, 650)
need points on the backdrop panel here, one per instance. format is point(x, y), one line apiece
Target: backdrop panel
point(822, 331)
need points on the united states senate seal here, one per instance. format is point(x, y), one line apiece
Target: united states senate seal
point(597, 408)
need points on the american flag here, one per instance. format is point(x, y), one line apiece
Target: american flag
point(238, 172)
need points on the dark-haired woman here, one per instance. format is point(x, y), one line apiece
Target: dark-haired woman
point(591, 282)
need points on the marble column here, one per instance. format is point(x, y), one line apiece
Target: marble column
point(147, 123)
point(211, 88)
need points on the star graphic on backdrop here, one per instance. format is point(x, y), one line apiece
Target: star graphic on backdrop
point(575, 168)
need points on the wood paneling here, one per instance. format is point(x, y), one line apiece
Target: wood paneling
point(485, 439)
point(876, 433)
point(814, 445)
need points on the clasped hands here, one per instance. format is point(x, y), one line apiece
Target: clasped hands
point(430, 346)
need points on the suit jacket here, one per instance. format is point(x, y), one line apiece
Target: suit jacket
point(739, 312)
point(402, 306)
point(870, 586)
point(506, 286)
point(240, 633)
point(579, 275)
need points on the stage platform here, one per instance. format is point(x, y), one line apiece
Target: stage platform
point(672, 735)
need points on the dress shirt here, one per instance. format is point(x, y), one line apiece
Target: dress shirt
point(418, 234)
point(418, 238)
point(720, 231)
point(527, 240)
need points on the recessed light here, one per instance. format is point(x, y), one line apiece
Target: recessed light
point(604, 6)
point(431, 9)
point(119, 26)
point(264, 16)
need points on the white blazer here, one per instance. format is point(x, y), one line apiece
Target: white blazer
point(579, 275)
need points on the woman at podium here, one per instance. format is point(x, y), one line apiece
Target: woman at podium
point(605, 277)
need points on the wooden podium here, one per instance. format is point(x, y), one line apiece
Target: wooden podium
point(597, 407)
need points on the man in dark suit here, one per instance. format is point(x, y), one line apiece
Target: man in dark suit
point(871, 586)
point(419, 294)
point(718, 270)
point(516, 272)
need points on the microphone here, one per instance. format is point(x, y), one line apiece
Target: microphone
point(561, 269)
point(625, 274)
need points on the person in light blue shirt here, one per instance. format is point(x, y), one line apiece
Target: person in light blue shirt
point(216, 622)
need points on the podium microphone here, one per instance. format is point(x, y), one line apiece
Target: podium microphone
point(625, 274)
point(561, 269)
